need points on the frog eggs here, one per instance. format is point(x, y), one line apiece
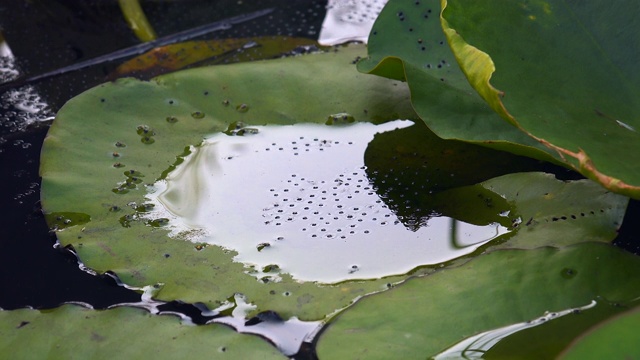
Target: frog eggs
point(303, 190)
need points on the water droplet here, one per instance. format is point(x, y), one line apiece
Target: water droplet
point(61, 220)
point(568, 273)
point(243, 108)
point(145, 130)
point(197, 115)
point(120, 190)
point(148, 140)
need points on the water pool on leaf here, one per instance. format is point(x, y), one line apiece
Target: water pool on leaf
point(304, 190)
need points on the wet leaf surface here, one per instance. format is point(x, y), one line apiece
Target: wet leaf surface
point(129, 112)
point(71, 331)
point(578, 110)
point(407, 43)
point(619, 331)
point(563, 73)
point(426, 315)
point(99, 154)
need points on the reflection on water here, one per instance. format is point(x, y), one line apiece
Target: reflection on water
point(301, 200)
point(476, 347)
point(349, 20)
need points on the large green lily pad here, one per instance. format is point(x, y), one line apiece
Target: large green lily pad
point(407, 43)
point(425, 316)
point(107, 144)
point(565, 73)
point(74, 332)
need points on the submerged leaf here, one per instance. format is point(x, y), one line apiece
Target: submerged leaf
point(182, 55)
point(495, 295)
point(72, 331)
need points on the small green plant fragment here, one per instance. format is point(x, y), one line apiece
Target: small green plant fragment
point(340, 118)
point(262, 246)
point(137, 20)
point(116, 333)
point(125, 220)
point(271, 268)
point(239, 128)
point(144, 208)
point(133, 174)
point(158, 222)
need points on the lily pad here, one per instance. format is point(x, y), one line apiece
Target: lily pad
point(71, 331)
point(563, 73)
point(110, 142)
point(494, 295)
point(407, 43)
point(613, 339)
point(111, 146)
point(559, 212)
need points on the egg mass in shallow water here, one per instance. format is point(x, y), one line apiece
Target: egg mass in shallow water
point(304, 189)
